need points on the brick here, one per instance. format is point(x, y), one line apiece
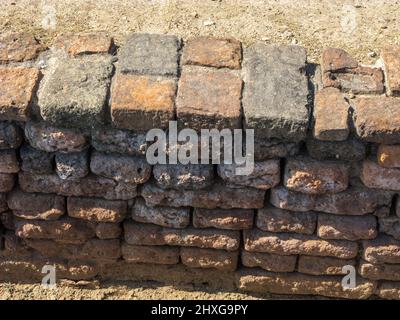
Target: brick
point(278, 220)
point(350, 150)
point(18, 87)
point(180, 176)
point(152, 54)
point(383, 249)
point(354, 201)
point(102, 250)
point(275, 106)
point(208, 100)
point(253, 280)
point(391, 60)
point(72, 165)
point(230, 219)
point(14, 247)
point(269, 262)
point(391, 226)
point(89, 186)
point(8, 161)
point(10, 135)
point(50, 139)
point(331, 114)
point(308, 176)
point(84, 43)
point(217, 196)
point(273, 148)
point(111, 140)
point(389, 156)
point(209, 258)
point(36, 161)
point(127, 169)
point(388, 290)
point(291, 243)
point(142, 103)
point(213, 52)
point(150, 254)
point(162, 216)
point(377, 119)
point(7, 182)
point(334, 59)
point(7, 220)
point(346, 227)
point(3, 202)
point(74, 94)
point(375, 176)
point(36, 205)
point(107, 230)
point(146, 234)
point(65, 229)
point(323, 265)
point(16, 47)
point(380, 271)
point(56, 249)
point(265, 175)
point(98, 210)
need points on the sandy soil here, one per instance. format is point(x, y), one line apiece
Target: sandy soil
point(362, 27)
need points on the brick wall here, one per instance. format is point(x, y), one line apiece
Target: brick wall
point(76, 190)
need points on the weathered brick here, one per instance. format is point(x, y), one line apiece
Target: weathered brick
point(65, 229)
point(36, 161)
point(388, 290)
point(47, 138)
point(231, 219)
point(3, 202)
point(72, 165)
point(306, 175)
point(389, 156)
point(150, 254)
point(107, 230)
point(36, 205)
point(126, 169)
point(346, 227)
point(18, 87)
point(331, 114)
point(292, 243)
point(254, 280)
point(7, 220)
point(391, 59)
point(56, 249)
point(153, 54)
point(141, 102)
point(89, 186)
point(74, 94)
point(273, 148)
point(84, 43)
point(102, 250)
point(334, 59)
point(98, 210)
point(10, 135)
point(14, 247)
point(391, 226)
point(162, 216)
point(383, 249)
point(213, 52)
point(217, 196)
point(379, 271)
point(208, 100)
point(377, 119)
point(375, 176)
point(8, 161)
point(209, 258)
point(146, 234)
point(180, 176)
point(269, 262)
point(349, 150)
point(7, 181)
point(275, 106)
point(323, 265)
point(16, 47)
point(111, 140)
point(354, 201)
point(278, 220)
point(265, 175)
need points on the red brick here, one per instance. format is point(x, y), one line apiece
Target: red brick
point(334, 59)
point(391, 59)
point(323, 265)
point(16, 47)
point(209, 258)
point(105, 230)
point(383, 249)
point(142, 102)
point(375, 176)
point(269, 262)
point(18, 87)
point(213, 52)
point(7, 181)
point(150, 254)
point(89, 43)
point(94, 209)
point(209, 99)
point(389, 156)
point(231, 219)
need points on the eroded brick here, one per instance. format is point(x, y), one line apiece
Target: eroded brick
point(383, 249)
point(16, 47)
point(150, 254)
point(269, 261)
point(8, 161)
point(108, 230)
point(84, 43)
point(231, 219)
point(389, 156)
point(323, 265)
point(375, 176)
point(10, 135)
point(36, 161)
point(7, 182)
point(379, 271)
point(72, 165)
point(209, 258)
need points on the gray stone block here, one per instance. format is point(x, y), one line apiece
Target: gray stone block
point(10, 135)
point(152, 54)
point(349, 150)
point(71, 166)
point(36, 161)
point(275, 101)
point(74, 93)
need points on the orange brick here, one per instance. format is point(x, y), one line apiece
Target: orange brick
point(15, 47)
point(76, 44)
